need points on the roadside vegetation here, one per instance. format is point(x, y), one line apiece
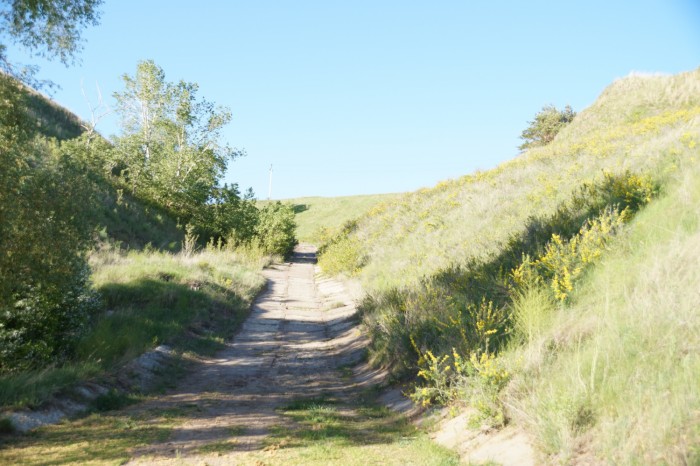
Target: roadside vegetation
point(553, 292)
point(110, 248)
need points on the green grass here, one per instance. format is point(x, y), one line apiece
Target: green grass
point(316, 213)
point(602, 372)
point(615, 374)
point(190, 303)
point(104, 438)
point(330, 431)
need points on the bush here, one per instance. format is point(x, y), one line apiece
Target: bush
point(275, 228)
point(45, 207)
point(340, 252)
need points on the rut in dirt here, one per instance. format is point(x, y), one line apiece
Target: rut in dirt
point(301, 331)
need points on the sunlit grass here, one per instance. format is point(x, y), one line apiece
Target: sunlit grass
point(616, 374)
point(105, 438)
point(330, 431)
point(314, 213)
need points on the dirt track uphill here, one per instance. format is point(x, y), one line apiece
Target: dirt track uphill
point(288, 389)
point(300, 333)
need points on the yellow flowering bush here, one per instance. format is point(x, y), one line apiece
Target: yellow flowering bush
point(476, 380)
point(563, 261)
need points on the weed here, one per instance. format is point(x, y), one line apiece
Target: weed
point(6, 426)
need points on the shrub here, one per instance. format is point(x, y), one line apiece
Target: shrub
point(341, 252)
point(276, 227)
point(546, 125)
point(45, 229)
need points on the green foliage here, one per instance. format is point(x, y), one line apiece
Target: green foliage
point(275, 228)
point(45, 207)
point(547, 123)
point(563, 261)
point(170, 152)
point(48, 28)
point(228, 216)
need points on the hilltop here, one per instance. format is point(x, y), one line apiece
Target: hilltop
point(317, 216)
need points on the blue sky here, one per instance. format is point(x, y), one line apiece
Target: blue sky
point(378, 96)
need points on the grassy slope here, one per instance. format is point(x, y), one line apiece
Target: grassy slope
point(633, 125)
point(315, 213)
point(608, 376)
point(615, 374)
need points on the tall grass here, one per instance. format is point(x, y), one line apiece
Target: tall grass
point(614, 376)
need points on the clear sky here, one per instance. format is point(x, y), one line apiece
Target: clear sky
point(378, 96)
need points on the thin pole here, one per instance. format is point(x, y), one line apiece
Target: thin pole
point(269, 189)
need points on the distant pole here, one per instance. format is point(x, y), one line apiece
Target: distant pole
point(269, 189)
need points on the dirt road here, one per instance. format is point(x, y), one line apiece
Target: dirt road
point(300, 332)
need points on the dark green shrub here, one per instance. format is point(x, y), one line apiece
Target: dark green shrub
point(45, 207)
point(276, 227)
point(546, 125)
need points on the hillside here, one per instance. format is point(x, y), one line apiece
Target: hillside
point(555, 293)
point(639, 123)
point(316, 214)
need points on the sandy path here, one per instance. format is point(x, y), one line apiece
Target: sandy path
point(299, 332)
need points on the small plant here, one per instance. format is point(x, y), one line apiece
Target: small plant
point(189, 244)
point(441, 377)
point(490, 378)
point(112, 400)
point(6, 426)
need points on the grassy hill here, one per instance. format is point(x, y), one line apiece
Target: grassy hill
point(543, 293)
point(637, 124)
point(316, 214)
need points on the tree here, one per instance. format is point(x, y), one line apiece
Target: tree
point(170, 151)
point(47, 28)
point(547, 123)
point(228, 216)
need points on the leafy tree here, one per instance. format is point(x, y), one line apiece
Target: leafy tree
point(47, 28)
point(547, 123)
point(170, 151)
